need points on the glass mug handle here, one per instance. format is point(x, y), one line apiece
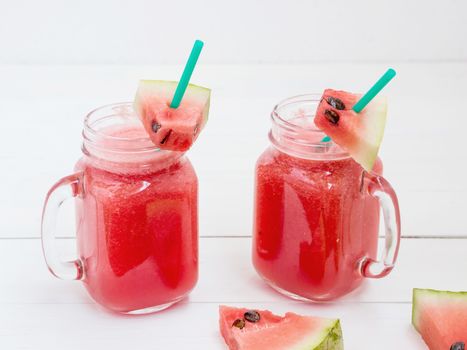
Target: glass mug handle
point(379, 188)
point(67, 187)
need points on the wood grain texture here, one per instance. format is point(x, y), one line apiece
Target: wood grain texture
point(43, 313)
point(274, 31)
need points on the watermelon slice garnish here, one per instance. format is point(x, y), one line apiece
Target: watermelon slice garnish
point(441, 318)
point(171, 128)
point(359, 134)
point(245, 329)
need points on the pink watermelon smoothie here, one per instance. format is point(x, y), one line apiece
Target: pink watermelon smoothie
point(137, 225)
point(312, 222)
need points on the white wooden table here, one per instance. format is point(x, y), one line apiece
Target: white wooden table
point(42, 108)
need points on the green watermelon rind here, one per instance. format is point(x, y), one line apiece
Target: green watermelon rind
point(420, 295)
point(329, 337)
point(333, 338)
point(375, 127)
point(172, 85)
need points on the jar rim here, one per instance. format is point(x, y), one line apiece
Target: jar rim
point(301, 140)
point(276, 116)
point(114, 138)
point(119, 143)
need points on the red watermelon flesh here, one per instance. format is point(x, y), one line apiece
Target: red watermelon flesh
point(440, 317)
point(171, 128)
point(274, 332)
point(359, 134)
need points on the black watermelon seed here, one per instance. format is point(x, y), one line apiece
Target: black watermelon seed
point(332, 116)
point(155, 126)
point(239, 323)
point(164, 140)
point(335, 102)
point(458, 346)
point(252, 316)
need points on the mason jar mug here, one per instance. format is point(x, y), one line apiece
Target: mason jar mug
point(316, 214)
point(136, 217)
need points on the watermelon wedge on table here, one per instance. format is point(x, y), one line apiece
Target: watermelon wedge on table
point(245, 329)
point(359, 134)
point(441, 318)
point(171, 128)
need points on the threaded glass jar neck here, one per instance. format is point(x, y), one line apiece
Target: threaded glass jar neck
point(294, 132)
point(114, 137)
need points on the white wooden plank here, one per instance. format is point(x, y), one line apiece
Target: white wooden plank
point(143, 31)
point(40, 312)
point(227, 275)
point(423, 150)
point(187, 325)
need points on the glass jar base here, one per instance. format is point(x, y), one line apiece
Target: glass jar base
point(321, 298)
point(153, 309)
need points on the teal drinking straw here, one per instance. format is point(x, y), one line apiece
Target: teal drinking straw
point(374, 90)
point(186, 75)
